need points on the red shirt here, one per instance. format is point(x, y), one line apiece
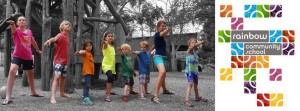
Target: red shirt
point(62, 48)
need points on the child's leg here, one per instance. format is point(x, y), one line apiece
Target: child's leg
point(11, 80)
point(109, 82)
point(62, 87)
point(146, 88)
point(196, 91)
point(160, 78)
point(87, 85)
point(30, 77)
point(53, 88)
point(141, 89)
point(188, 91)
point(125, 90)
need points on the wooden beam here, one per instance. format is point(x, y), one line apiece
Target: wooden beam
point(85, 30)
point(98, 20)
point(88, 24)
point(91, 3)
point(78, 67)
point(7, 39)
point(16, 7)
point(116, 15)
point(87, 11)
point(37, 17)
point(57, 3)
point(37, 5)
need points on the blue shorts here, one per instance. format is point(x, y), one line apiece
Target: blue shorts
point(192, 78)
point(128, 80)
point(160, 59)
point(27, 64)
point(144, 78)
point(60, 69)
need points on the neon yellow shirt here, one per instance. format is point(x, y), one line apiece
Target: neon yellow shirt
point(109, 59)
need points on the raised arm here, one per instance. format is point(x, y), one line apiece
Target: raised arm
point(34, 44)
point(194, 46)
point(51, 40)
point(152, 48)
point(135, 52)
point(81, 52)
point(104, 44)
point(12, 26)
point(165, 32)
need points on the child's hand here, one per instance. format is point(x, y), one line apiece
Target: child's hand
point(39, 52)
point(76, 53)
point(105, 42)
point(168, 29)
point(134, 73)
point(47, 43)
point(11, 22)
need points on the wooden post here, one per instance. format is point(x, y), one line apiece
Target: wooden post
point(46, 56)
point(68, 8)
point(95, 13)
point(119, 33)
point(7, 39)
point(78, 66)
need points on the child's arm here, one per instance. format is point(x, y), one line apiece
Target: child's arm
point(12, 26)
point(104, 44)
point(152, 48)
point(51, 40)
point(120, 50)
point(37, 49)
point(165, 32)
point(192, 47)
point(135, 52)
point(81, 52)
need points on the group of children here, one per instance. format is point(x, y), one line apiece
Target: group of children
point(23, 40)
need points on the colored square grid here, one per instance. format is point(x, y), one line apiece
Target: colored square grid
point(262, 62)
point(263, 99)
point(276, 99)
point(275, 74)
point(289, 35)
point(275, 36)
point(237, 23)
point(226, 74)
point(224, 36)
point(225, 10)
point(249, 61)
point(263, 11)
point(249, 75)
point(288, 49)
point(250, 11)
point(249, 87)
point(276, 10)
point(237, 48)
point(237, 61)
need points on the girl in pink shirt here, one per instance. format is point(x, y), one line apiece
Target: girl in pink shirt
point(22, 54)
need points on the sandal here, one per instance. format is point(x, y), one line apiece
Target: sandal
point(107, 99)
point(168, 92)
point(155, 100)
point(142, 98)
point(188, 103)
point(6, 102)
point(201, 99)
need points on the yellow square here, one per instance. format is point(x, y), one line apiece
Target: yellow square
point(226, 74)
point(276, 99)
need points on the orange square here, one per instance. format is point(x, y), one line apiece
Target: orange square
point(249, 61)
point(237, 61)
point(262, 62)
point(288, 36)
point(225, 10)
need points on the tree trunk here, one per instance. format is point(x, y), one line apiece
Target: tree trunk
point(7, 39)
point(78, 66)
point(47, 68)
point(68, 8)
point(119, 33)
point(173, 58)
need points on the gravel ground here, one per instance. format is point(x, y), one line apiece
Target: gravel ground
point(176, 83)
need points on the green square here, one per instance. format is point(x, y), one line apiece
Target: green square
point(224, 36)
point(263, 11)
point(249, 74)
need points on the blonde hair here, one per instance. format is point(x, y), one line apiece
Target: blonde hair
point(190, 40)
point(61, 26)
point(125, 46)
point(144, 43)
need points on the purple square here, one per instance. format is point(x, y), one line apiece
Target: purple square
point(276, 10)
point(288, 49)
point(249, 87)
point(237, 23)
point(275, 74)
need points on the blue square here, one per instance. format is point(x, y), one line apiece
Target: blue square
point(237, 48)
point(250, 11)
point(276, 36)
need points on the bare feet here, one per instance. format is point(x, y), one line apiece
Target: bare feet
point(64, 96)
point(53, 101)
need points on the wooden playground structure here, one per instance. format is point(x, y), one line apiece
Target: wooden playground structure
point(43, 18)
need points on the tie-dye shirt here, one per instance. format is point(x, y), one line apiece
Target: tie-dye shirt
point(191, 64)
point(22, 41)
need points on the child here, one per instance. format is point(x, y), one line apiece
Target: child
point(160, 59)
point(108, 62)
point(23, 39)
point(60, 58)
point(191, 71)
point(144, 68)
point(88, 69)
point(127, 70)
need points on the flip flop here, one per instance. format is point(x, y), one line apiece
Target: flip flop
point(36, 95)
point(6, 102)
point(168, 92)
